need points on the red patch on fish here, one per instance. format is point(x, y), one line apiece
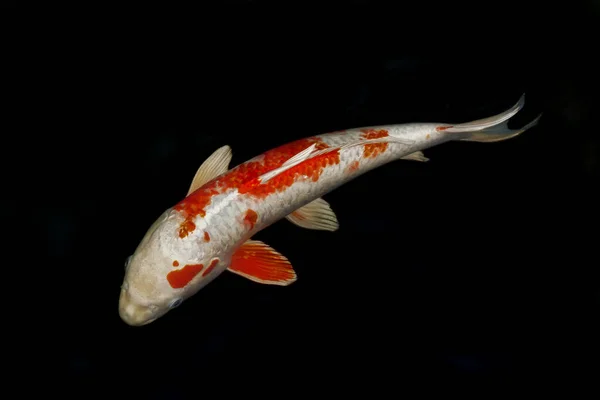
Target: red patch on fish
point(186, 227)
point(353, 166)
point(181, 277)
point(206, 237)
point(212, 265)
point(311, 168)
point(250, 218)
point(374, 149)
point(244, 177)
point(176, 263)
point(192, 206)
point(374, 133)
point(442, 128)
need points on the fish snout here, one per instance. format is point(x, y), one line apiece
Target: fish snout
point(134, 314)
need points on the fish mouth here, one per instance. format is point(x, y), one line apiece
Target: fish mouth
point(134, 314)
point(149, 321)
point(134, 322)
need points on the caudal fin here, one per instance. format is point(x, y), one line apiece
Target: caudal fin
point(491, 129)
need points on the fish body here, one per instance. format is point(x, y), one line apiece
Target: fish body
point(211, 229)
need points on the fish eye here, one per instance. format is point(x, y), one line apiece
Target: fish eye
point(127, 261)
point(175, 303)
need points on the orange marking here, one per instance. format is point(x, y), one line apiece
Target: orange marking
point(428, 136)
point(374, 149)
point(206, 237)
point(212, 265)
point(186, 227)
point(374, 133)
point(312, 168)
point(244, 177)
point(298, 215)
point(442, 128)
point(250, 218)
point(176, 263)
point(260, 262)
point(181, 277)
point(353, 166)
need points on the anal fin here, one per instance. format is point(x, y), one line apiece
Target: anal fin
point(416, 156)
point(315, 215)
point(260, 263)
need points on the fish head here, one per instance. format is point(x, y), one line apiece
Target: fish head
point(165, 270)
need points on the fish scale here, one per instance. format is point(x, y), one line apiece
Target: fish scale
point(211, 229)
point(305, 190)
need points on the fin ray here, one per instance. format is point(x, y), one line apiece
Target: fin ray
point(499, 133)
point(416, 156)
point(481, 124)
point(260, 263)
point(289, 163)
point(316, 215)
point(309, 153)
point(216, 164)
point(491, 129)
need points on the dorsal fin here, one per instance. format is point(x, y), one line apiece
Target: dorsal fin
point(309, 153)
point(289, 163)
point(298, 158)
point(216, 164)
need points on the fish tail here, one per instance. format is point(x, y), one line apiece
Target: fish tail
point(491, 129)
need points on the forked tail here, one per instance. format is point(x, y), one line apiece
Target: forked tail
point(491, 129)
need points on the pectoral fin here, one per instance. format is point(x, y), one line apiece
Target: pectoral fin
point(315, 215)
point(213, 166)
point(260, 263)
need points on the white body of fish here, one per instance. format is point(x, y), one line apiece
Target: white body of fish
point(210, 230)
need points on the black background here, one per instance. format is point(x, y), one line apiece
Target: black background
point(472, 271)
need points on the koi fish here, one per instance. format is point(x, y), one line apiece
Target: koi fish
point(211, 229)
